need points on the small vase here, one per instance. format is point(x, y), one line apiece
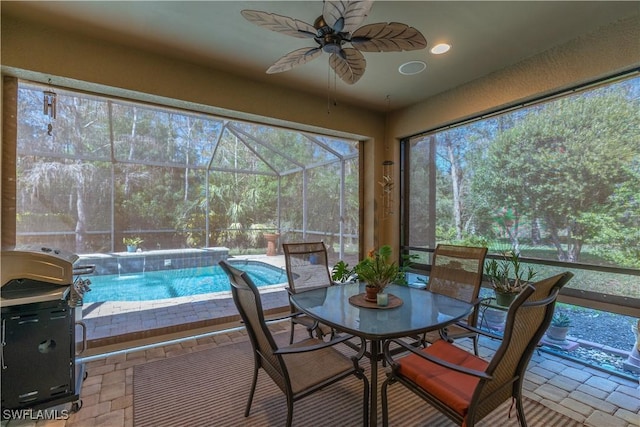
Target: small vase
point(382, 299)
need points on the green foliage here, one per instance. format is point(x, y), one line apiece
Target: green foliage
point(501, 276)
point(341, 272)
point(473, 240)
point(151, 171)
point(565, 163)
point(132, 241)
point(561, 320)
point(377, 269)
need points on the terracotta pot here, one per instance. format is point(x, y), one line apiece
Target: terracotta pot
point(371, 293)
point(271, 243)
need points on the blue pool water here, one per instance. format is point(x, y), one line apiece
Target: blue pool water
point(153, 285)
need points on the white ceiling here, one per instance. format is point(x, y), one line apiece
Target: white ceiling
point(485, 37)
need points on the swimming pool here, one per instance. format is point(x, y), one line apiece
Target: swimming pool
point(155, 285)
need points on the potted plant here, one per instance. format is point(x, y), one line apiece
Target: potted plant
point(508, 277)
point(132, 243)
point(560, 324)
point(377, 271)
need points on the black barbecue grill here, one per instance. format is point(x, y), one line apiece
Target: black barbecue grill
point(39, 320)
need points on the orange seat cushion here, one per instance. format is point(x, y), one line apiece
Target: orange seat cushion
point(453, 388)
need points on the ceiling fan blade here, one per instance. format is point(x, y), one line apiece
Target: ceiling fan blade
point(345, 16)
point(295, 58)
point(280, 24)
point(349, 65)
point(391, 37)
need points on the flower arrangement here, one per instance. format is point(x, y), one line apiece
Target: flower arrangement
point(377, 270)
point(500, 274)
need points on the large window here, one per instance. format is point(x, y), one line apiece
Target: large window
point(106, 169)
point(557, 181)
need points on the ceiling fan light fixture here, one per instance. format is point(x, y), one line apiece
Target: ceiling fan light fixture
point(412, 67)
point(440, 48)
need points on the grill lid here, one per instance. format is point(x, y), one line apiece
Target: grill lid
point(40, 264)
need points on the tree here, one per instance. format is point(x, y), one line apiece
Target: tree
point(564, 163)
point(79, 130)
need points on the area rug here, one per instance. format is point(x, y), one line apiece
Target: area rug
point(211, 387)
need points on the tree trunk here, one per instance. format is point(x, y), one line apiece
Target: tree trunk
point(555, 239)
point(535, 231)
point(132, 137)
point(455, 182)
point(81, 224)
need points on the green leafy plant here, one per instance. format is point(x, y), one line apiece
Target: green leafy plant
point(377, 270)
point(132, 241)
point(341, 272)
point(502, 278)
point(561, 320)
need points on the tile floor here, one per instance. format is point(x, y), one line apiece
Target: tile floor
point(587, 395)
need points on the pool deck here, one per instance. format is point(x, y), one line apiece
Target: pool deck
point(112, 322)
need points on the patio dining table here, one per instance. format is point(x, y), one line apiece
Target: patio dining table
point(411, 312)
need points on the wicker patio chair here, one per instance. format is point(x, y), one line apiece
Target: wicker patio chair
point(465, 387)
point(456, 271)
point(298, 370)
point(307, 267)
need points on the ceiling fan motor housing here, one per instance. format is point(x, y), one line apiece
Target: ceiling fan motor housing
point(328, 38)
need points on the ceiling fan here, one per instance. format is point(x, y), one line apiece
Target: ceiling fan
point(336, 27)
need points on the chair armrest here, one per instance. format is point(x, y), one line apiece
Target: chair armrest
point(430, 358)
point(478, 331)
point(311, 344)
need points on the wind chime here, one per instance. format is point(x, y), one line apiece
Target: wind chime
point(49, 107)
point(387, 173)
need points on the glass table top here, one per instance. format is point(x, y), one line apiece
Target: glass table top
point(420, 311)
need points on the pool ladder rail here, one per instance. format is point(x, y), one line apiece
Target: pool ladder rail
point(80, 285)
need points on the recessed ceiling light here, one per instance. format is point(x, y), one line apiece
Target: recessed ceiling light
point(412, 67)
point(440, 49)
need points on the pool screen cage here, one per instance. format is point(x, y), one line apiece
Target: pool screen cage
point(105, 170)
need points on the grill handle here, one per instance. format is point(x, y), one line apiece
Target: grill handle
point(3, 344)
point(84, 336)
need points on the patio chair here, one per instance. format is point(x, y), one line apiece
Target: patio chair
point(307, 267)
point(456, 271)
point(465, 387)
point(298, 370)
